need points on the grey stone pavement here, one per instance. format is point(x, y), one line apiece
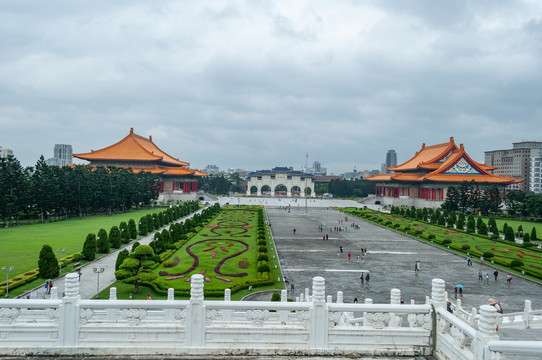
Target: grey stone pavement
point(390, 260)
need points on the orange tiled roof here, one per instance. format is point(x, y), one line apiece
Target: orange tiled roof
point(132, 148)
point(448, 164)
point(427, 157)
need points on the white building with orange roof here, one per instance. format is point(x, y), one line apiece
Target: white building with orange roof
point(176, 179)
point(423, 180)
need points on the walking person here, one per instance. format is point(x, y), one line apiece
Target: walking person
point(292, 285)
point(294, 231)
point(496, 274)
point(349, 256)
point(487, 278)
point(367, 278)
point(361, 278)
point(508, 279)
point(480, 276)
point(357, 258)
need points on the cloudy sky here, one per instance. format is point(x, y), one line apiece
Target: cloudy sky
point(258, 84)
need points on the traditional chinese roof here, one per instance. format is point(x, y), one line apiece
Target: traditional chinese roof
point(133, 148)
point(443, 163)
point(140, 154)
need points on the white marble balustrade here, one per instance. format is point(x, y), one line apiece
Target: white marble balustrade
point(71, 326)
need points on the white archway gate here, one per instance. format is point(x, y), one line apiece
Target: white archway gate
point(279, 177)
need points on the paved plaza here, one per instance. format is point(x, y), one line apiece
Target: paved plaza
point(390, 261)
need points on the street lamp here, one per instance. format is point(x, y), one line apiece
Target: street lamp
point(7, 270)
point(98, 271)
point(60, 252)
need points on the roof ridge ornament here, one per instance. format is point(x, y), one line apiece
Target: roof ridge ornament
point(131, 130)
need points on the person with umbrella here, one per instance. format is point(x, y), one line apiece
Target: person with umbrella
point(460, 287)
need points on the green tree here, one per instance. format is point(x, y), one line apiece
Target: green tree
point(48, 263)
point(534, 237)
point(483, 229)
point(509, 234)
point(132, 229)
point(526, 238)
point(470, 226)
point(143, 230)
point(123, 254)
point(124, 232)
point(114, 237)
point(520, 231)
point(89, 247)
point(102, 242)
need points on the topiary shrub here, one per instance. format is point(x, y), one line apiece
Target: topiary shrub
point(132, 229)
point(264, 268)
point(516, 263)
point(114, 237)
point(89, 247)
point(124, 232)
point(120, 258)
point(263, 257)
point(47, 263)
point(262, 249)
point(418, 232)
point(465, 247)
point(262, 243)
point(446, 241)
point(275, 297)
point(102, 242)
point(488, 254)
point(431, 237)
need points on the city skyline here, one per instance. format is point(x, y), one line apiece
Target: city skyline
point(258, 85)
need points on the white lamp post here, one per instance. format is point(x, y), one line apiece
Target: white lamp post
point(60, 252)
point(7, 270)
point(98, 271)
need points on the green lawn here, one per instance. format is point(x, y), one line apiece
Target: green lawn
point(20, 245)
point(527, 225)
point(503, 251)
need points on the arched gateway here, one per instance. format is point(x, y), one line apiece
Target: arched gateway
point(281, 181)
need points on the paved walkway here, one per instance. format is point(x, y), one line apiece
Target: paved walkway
point(390, 260)
point(88, 285)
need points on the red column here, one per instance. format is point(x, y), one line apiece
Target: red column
point(408, 191)
point(194, 186)
point(504, 194)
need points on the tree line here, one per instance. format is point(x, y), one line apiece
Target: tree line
point(46, 192)
point(487, 199)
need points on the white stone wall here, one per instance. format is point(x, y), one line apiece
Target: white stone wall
point(316, 326)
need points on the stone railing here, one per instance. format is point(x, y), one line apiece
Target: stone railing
point(526, 319)
point(71, 326)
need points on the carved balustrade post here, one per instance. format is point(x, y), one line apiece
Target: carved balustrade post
point(283, 314)
point(169, 313)
point(195, 317)
point(226, 313)
point(112, 313)
point(395, 299)
point(318, 328)
point(340, 298)
point(68, 322)
point(487, 331)
point(438, 293)
point(365, 320)
point(527, 314)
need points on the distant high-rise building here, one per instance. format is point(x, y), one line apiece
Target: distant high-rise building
point(5, 152)
point(515, 162)
point(62, 155)
point(535, 177)
point(211, 169)
point(383, 168)
point(317, 167)
point(391, 159)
